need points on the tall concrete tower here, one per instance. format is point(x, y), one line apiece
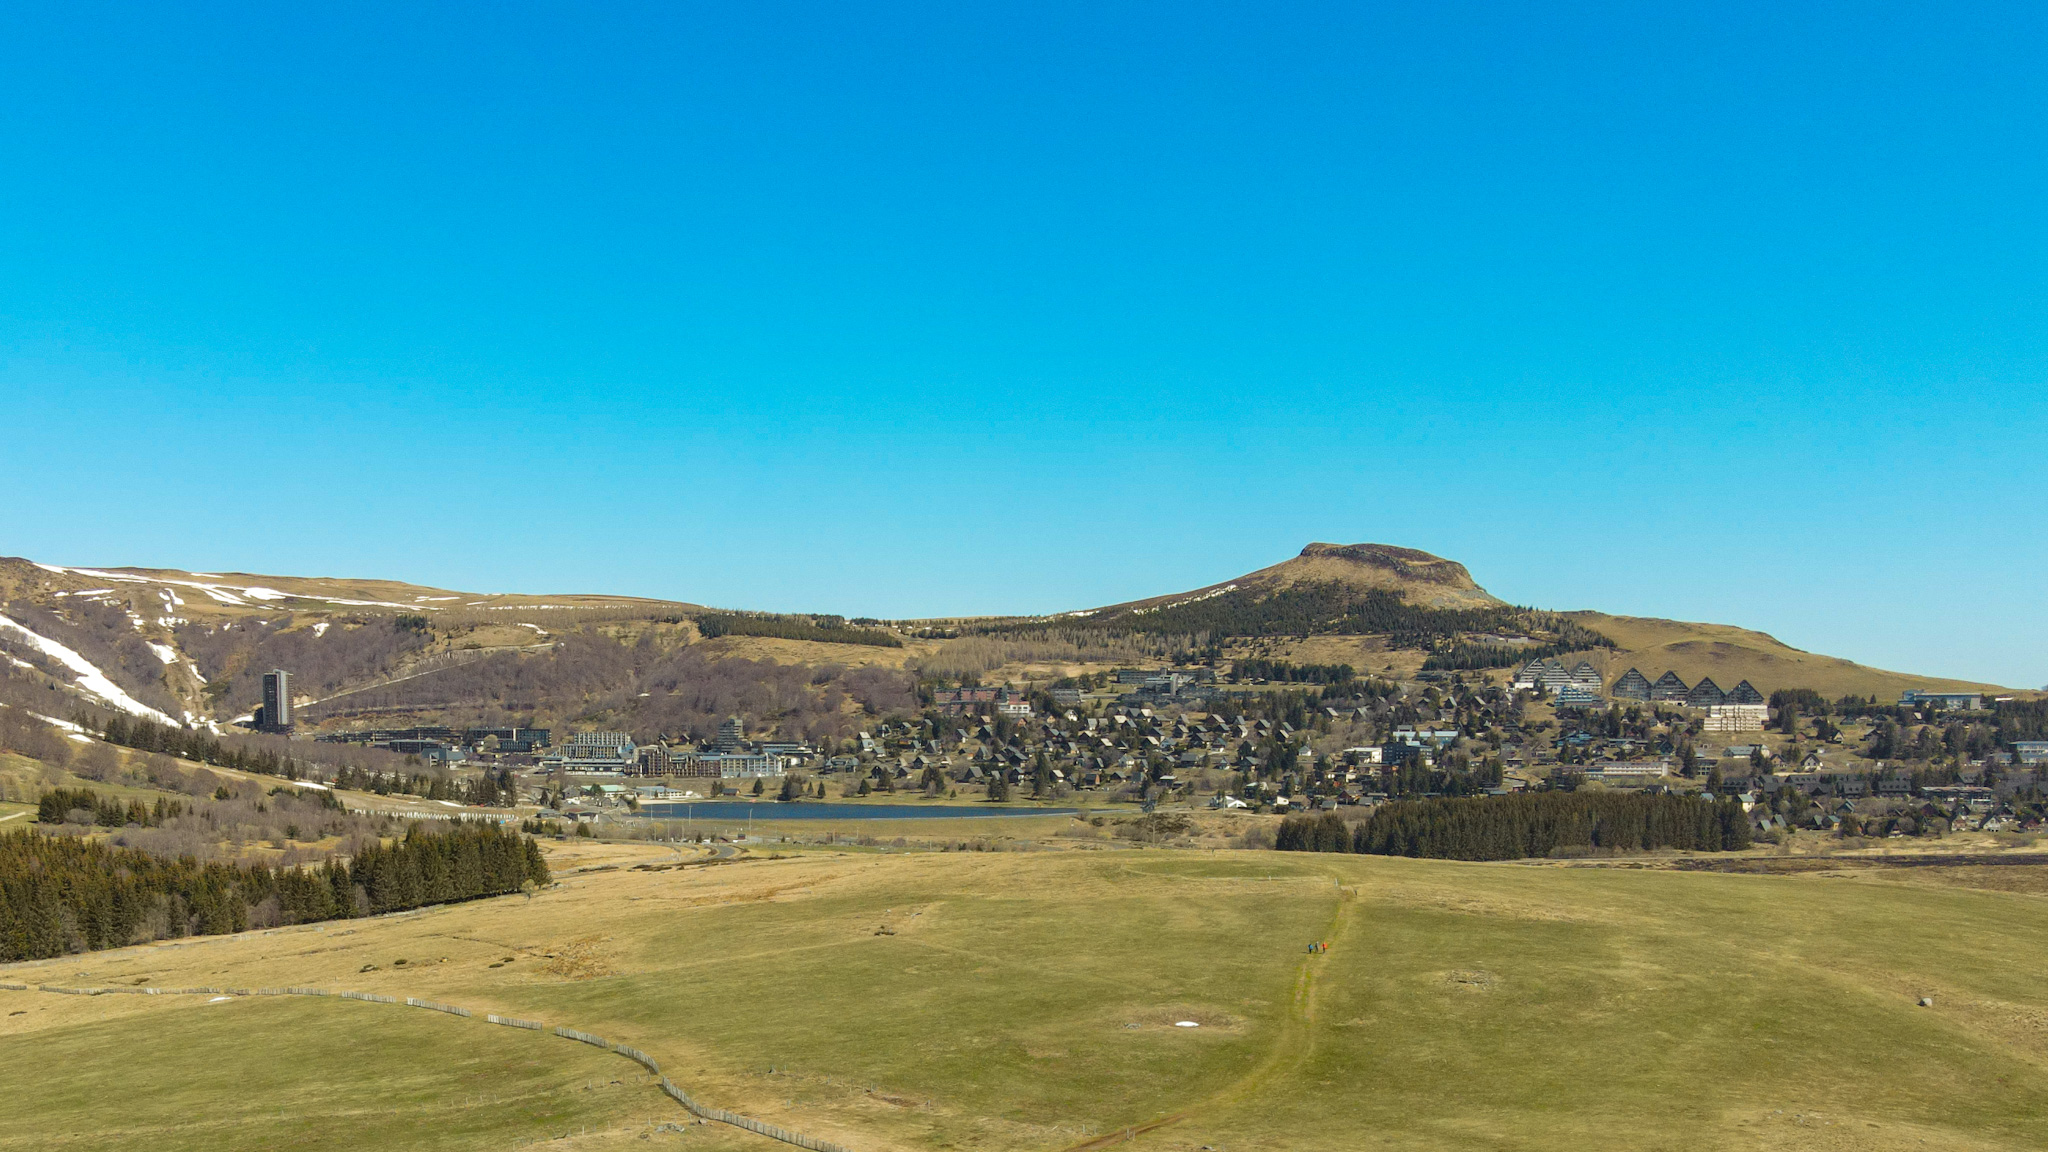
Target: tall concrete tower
point(277, 702)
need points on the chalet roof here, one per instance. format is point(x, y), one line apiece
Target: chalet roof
point(1743, 693)
point(1706, 692)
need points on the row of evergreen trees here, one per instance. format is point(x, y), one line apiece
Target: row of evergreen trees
point(1525, 824)
point(62, 894)
point(1261, 668)
point(488, 790)
point(59, 804)
point(201, 747)
point(827, 630)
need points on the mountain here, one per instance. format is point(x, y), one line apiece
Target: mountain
point(191, 646)
point(1399, 611)
point(1416, 576)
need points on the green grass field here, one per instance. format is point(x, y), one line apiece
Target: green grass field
point(266, 1073)
point(1028, 1000)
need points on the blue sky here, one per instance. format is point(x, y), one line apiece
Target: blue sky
point(1724, 312)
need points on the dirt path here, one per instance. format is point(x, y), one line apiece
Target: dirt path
point(1291, 1049)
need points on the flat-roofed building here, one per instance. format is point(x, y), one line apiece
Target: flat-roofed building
point(1578, 696)
point(1628, 769)
point(1735, 717)
point(276, 713)
point(725, 765)
point(1943, 701)
point(600, 752)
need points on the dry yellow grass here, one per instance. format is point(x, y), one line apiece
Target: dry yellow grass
point(1030, 1001)
point(1731, 654)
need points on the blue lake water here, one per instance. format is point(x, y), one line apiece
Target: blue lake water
point(814, 810)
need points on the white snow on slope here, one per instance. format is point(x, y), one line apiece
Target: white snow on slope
point(370, 603)
point(165, 653)
point(225, 593)
point(320, 629)
point(89, 678)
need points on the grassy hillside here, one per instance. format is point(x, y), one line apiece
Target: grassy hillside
point(267, 1073)
point(1030, 1000)
point(1731, 654)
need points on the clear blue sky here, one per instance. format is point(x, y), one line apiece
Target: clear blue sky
point(1723, 311)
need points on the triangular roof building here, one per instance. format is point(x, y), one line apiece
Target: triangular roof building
point(1669, 687)
point(1633, 685)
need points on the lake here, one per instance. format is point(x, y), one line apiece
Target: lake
point(730, 810)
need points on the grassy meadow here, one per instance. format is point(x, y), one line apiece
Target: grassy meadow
point(1029, 1000)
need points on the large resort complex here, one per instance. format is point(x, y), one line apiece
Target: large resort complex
point(1737, 709)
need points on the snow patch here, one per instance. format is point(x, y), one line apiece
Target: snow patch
point(66, 725)
point(89, 678)
point(224, 593)
point(1186, 602)
point(320, 629)
point(165, 653)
